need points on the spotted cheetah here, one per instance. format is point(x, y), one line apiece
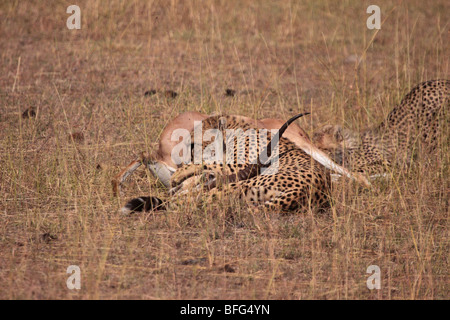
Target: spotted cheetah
point(293, 179)
point(412, 125)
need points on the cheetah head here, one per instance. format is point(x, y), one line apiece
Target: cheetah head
point(336, 141)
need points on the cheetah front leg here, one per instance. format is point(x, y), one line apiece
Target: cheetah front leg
point(207, 172)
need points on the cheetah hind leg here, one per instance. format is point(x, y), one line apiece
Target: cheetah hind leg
point(275, 200)
point(300, 201)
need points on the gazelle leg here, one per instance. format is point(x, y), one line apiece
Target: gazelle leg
point(120, 178)
point(159, 169)
point(123, 175)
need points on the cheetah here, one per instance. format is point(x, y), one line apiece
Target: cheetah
point(288, 179)
point(414, 123)
point(162, 166)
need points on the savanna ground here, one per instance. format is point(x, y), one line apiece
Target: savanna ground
point(91, 118)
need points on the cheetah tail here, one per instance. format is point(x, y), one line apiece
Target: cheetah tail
point(143, 204)
point(276, 138)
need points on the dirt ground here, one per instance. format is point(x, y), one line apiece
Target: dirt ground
point(73, 111)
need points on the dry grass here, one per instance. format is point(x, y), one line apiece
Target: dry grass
point(91, 117)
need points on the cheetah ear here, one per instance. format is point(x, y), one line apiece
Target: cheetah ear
point(326, 129)
point(338, 133)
